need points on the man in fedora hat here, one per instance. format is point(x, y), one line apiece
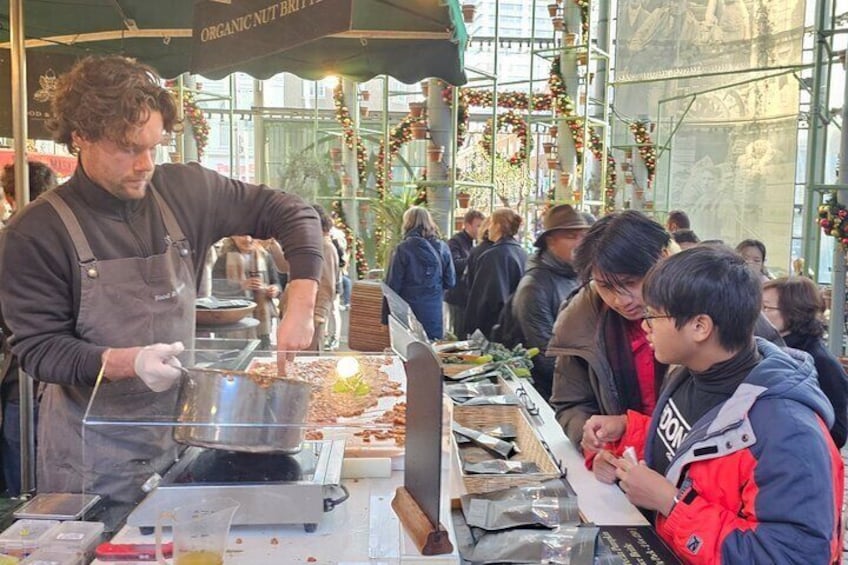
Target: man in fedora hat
point(549, 279)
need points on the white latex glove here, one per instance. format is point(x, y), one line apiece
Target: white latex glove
point(157, 365)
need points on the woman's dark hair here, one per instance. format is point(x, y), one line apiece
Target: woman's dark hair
point(505, 221)
point(685, 236)
point(680, 219)
point(711, 280)
point(801, 305)
point(41, 179)
point(620, 245)
point(752, 243)
point(326, 222)
point(107, 98)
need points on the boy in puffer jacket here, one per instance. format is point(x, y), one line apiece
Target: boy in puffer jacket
point(736, 461)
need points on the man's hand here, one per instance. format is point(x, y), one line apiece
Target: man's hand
point(603, 467)
point(598, 431)
point(295, 330)
point(644, 487)
point(253, 283)
point(157, 365)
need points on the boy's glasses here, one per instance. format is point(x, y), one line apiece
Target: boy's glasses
point(648, 318)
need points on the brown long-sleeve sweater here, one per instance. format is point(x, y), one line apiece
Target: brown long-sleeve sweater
point(39, 274)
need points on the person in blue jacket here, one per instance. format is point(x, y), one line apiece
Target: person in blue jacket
point(421, 269)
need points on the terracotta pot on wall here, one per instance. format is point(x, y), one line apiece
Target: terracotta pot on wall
point(416, 109)
point(463, 199)
point(425, 88)
point(366, 95)
point(553, 9)
point(419, 130)
point(435, 153)
point(553, 130)
point(558, 23)
point(468, 12)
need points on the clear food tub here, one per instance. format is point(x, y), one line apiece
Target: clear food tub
point(53, 556)
point(25, 536)
point(80, 537)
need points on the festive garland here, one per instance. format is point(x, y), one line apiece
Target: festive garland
point(575, 127)
point(461, 112)
point(355, 243)
point(558, 100)
point(647, 149)
point(400, 134)
point(349, 135)
point(421, 195)
point(198, 121)
point(519, 128)
point(561, 101)
point(584, 18)
point(195, 117)
point(596, 147)
point(832, 219)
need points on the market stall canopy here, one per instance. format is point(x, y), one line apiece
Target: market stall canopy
point(358, 39)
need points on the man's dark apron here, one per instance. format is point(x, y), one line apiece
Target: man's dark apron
point(123, 303)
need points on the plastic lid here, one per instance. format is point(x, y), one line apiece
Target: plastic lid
point(74, 536)
point(53, 557)
point(24, 536)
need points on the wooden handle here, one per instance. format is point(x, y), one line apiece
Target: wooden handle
point(429, 538)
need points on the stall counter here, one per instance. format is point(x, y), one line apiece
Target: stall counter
point(603, 504)
point(365, 530)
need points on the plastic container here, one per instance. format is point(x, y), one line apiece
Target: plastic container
point(8, 559)
point(80, 537)
point(25, 536)
point(54, 556)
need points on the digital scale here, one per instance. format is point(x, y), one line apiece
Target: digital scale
point(271, 488)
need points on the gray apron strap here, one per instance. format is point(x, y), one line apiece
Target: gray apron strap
point(84, 254)
point(175, 235)
point(171, 225)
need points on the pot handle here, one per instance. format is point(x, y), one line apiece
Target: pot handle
point(160, 556)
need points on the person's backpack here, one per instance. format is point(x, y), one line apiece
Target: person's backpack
point(342, 258)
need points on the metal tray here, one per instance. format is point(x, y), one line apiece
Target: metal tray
point(57, 506)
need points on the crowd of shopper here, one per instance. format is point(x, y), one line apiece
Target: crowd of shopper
point(690, 353)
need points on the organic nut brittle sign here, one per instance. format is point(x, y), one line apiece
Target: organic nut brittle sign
point(226, 34)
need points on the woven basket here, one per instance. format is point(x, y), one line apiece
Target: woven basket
point(482, 417)
point(366, 333)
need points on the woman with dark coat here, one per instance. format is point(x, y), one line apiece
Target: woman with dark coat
point(496, 273)
point(794, 307)
point(421, 269)
point(467, 274)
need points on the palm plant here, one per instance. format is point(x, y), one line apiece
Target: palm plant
point(389, 214)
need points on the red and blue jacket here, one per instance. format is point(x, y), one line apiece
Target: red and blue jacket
point(766, 479)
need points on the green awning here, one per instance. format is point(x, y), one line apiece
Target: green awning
point(359, 39)
point(406, 39)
